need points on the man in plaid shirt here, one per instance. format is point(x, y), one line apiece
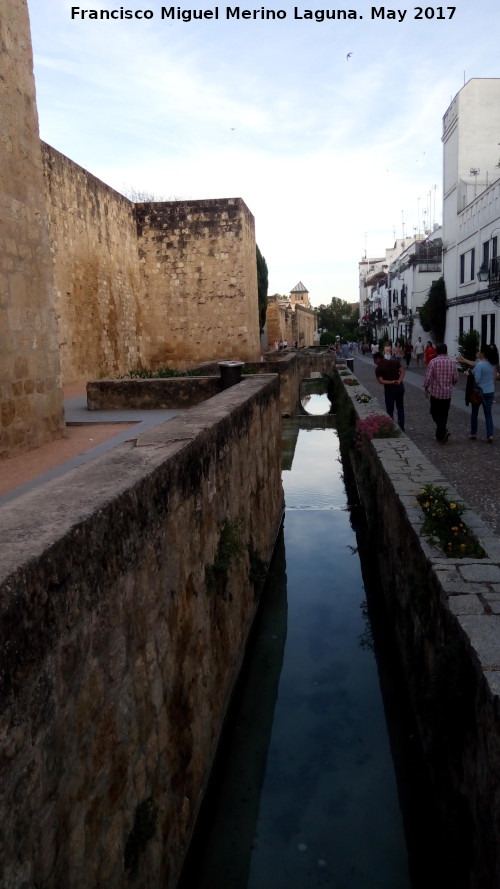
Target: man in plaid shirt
point(440, 378)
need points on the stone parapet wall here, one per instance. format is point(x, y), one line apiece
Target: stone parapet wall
point(31, 408)
point(199, 271)
point(127, 593)
point(292, 367)
point(446, 616)
point(154, 394)
point(96, 271)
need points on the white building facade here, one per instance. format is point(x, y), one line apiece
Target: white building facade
point(471, 211)
point(401, 287)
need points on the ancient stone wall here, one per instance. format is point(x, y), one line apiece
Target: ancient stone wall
point(199, 268)
point(304, 325)
point(98, 292)
point(278, 321)
point(123, 621)
point(31, 411)
point(149, 284)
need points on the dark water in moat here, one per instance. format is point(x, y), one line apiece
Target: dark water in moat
point(305, 794)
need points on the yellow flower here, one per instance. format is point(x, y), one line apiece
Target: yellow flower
point(453, 505)
point(454, 528)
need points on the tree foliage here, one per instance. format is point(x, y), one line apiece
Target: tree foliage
point(468, 345)
point(140, 196)
point(340, 318)
point(433, 312)
point(262, 285)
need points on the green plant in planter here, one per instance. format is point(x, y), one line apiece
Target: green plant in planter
point(351, 382)
point(443, 526)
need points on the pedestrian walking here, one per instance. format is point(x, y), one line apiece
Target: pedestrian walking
point(429, 352)
point(390, 373)
point(484, 372)
point(397, 352)
point(440, 377)
point(419, 351)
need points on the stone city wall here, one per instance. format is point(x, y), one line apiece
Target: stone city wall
point(145, 285)
point(199, 271)
point(98, 292)
point(304, 325)
point(278, 321)
point(31, 410)
point(127, 595)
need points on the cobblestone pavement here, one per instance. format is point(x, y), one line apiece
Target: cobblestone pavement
point(472, 467)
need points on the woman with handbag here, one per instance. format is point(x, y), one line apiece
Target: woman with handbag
point(484, 372)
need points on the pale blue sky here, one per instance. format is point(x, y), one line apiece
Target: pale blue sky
point(330, 154)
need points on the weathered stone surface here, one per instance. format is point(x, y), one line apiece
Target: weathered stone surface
point(193, 263)
point(116, 659)
point(155, 394)
point(446, 620)
point(30, 414)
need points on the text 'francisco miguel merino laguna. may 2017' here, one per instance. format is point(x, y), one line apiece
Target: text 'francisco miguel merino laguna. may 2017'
point(263, 13)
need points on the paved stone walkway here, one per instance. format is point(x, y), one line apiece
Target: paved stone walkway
point(90, 434)
point(472, 467)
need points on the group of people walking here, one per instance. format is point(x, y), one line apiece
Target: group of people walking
point(440, 377)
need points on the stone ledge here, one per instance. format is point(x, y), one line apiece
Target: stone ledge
point(446, 616)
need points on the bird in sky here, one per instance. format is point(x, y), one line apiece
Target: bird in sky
point(348, 56)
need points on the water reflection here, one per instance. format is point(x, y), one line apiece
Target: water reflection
point(306, 795)
point(313, 396)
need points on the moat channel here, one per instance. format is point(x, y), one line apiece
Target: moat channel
point(319, 780)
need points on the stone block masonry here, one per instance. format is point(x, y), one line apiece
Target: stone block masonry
point(445, 614)
point(199, 271)
point(125, 607)
point(95, 264)
point(31, 407)
point(93, 285)
point(146, 285)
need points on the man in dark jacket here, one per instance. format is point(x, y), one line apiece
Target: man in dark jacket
point(390, 373)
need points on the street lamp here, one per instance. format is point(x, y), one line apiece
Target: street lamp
point(489, 272)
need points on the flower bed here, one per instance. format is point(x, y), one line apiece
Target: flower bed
point(442, 525)
point(376, 426)
point(363, 397)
